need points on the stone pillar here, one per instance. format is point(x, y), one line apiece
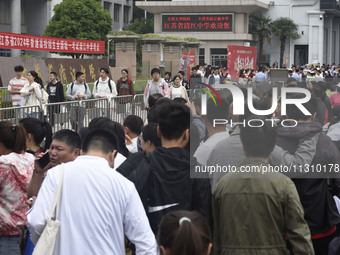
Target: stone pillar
point(16, 23)
point(151, 54)
point(172, 55)
point(125, 54)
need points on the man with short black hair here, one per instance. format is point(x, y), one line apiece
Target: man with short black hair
point(65, 147)
point(167, 78)
point(55, 91)
point(215, 78)
point(133, 126)
point(104, 87)
point(255, 211)
point(296, 75)
point(78, 90)
point(184, 82)
point(14, 87)
point(98, 205)
point(163, 177)
point(156, 85)
point(195, 79)
point(261, 76)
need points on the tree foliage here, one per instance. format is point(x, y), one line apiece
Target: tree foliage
point(259, 26)
point(284, 28)
point(81, 19)
point(141, 26)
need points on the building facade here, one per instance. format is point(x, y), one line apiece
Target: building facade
point(318, 27)
point(35, 15)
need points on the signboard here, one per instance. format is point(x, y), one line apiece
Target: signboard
point(197, 23)
point(42, 43)
point(240, 57)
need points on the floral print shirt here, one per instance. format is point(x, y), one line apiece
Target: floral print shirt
point(15, 173)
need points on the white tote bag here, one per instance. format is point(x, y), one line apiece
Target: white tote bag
point(46, 242)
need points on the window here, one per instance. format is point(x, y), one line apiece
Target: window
point(5, 12)
point(107, 7)
point(116, 12)
point(201, 56)
point(127, 14)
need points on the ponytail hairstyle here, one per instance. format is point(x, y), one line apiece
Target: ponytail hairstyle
point(184, 233)
point(37, 79)
point(39, 130)
point(13, 137)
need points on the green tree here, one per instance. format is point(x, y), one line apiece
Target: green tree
point(141, 26)
point(284, 28)
point(81, 19)
point(259, 26)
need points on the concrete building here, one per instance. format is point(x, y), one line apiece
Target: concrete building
point(318, 26)
point(36, 14)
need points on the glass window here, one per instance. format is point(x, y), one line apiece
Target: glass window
point(127, 14)
point(201, 56)
point(116, 12)
point(5, 12)
point(107, 7)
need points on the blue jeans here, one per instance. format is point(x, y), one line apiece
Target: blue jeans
point(9, 245)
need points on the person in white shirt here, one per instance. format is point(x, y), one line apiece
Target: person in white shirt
point(14, 87)
point(16, 84)
point(32, 94)
point(98, 205)
point(133, 127)
point(177, 90)
point(104, 87)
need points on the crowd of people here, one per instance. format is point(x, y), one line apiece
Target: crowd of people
point(134, 186)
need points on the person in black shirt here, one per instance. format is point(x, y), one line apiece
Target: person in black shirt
point(184, 82)
point(195, 79)
point(55, 90)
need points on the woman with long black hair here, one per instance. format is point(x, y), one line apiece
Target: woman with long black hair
point(32, 94)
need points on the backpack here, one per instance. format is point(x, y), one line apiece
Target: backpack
point(73, 85)
point(109, 83)
point(129, 82)
point(44, 96)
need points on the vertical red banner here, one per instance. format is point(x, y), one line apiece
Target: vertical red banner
point(240, 57)
point(190, 59)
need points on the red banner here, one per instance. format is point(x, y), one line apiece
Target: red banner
point(190, 59)
point(42, 43)
point(240, 57)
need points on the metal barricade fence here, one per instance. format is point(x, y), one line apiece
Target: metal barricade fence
point(14, 114)
point(75, 114)
point(64, 115)
point(139, 107)
point(121, 107)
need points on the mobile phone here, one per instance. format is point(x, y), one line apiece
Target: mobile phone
point(44, 160)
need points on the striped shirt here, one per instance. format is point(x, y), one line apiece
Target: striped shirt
point(16, 85)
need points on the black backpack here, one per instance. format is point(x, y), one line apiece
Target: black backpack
point(73, 85)
point(109, 83)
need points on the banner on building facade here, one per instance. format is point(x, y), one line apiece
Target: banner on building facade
point(197, 23)
point(240, 57)
point(51, 44)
